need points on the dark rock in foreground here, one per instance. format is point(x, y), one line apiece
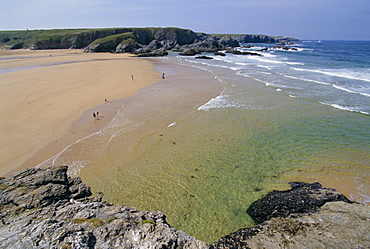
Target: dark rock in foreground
point(43, 208)
point(337, 225)
point(307, 216)
point(302, 198)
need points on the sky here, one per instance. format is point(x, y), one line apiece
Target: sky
point(303, 19)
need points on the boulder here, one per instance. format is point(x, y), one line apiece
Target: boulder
point(203, 57)
point(219, 53)
point(306, 216)
point(237, 52)
point(227, 41)
point(189, 52)
point(302, 198)
point(127, 46)
point(155, 53)
point(336, 225)
point(16, 46)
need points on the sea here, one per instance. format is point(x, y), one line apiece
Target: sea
point(297, 114)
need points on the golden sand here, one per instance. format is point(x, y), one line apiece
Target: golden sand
point(39, 103)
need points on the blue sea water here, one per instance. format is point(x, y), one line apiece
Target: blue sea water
point(288, 115)
point(335, 73)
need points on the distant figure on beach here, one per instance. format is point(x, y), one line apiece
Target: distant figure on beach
point(163, 77)
point(132, 77)
point(94, 115)
point(97, 115)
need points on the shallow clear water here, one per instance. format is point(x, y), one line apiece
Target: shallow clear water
point(304, 117)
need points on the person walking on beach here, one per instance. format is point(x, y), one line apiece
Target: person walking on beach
point(94, 115)
point(132, 77)
point(97, 115)
point(163, 77)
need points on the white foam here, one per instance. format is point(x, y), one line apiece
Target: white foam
point(172, 124)
point(297, 78)
point(221, 101)
point(345, 108)
point(350, 91)
point(294, 63)
point(340, 73)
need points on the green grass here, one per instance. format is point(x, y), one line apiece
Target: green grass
point(117, 37)
point(149, 222)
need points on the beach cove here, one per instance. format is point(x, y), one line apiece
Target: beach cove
point(202, 149)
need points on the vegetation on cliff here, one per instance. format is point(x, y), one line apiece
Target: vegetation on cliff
point(141, 41)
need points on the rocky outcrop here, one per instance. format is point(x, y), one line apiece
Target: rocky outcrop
point(307, 216)
point(249, 38)
point(142, 41)
point(16, 46)
point(302, 198)
point(203, 57)
point(238, 52)
point(337, 225)
point(43, 208)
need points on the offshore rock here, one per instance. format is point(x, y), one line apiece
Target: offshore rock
point(203, 57)
point(43, 208)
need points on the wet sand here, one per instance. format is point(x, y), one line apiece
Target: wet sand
point(45, 95)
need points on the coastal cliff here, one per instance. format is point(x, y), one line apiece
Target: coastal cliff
point(44, 208)
point(140, 41)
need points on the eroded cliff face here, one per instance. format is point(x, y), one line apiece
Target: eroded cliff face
point(105, 40)
point(44, 208)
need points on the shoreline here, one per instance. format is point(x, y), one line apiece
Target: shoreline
point(85, 126)
point(52, 101)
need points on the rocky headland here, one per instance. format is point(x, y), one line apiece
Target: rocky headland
point(139, 41)
point(44, 208)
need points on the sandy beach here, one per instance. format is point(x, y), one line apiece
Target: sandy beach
point(44, 94)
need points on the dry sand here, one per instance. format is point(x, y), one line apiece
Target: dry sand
point(41, 103)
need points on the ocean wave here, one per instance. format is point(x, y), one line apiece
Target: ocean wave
point(295, 63)
point(224, 101)
point(264, 66)
point(339, 73)
point(297, 78)
point(220, 101)
point(350, 91)
point(345, 108)
point(264, 60)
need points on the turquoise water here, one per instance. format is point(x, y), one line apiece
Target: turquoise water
point(289, 115)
